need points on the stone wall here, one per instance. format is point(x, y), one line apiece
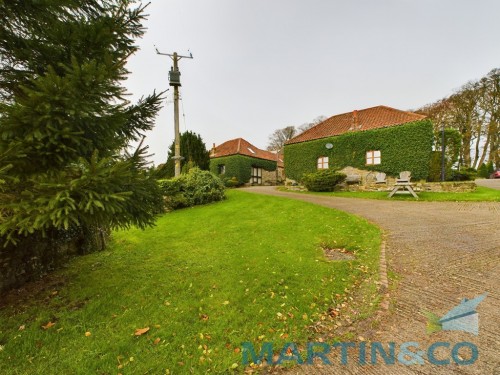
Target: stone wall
point(367, 183)
point(36, 255)
point(272, 177)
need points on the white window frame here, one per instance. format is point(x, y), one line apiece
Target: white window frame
point(373, 157)
point(322, 162)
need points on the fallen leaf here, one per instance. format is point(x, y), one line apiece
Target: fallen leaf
point(204, 317)
point(88, 333)
point(21, 328)
point(48, 325)
point(157, 340)
point(225, 303)
point(237, 350)
point(141, 331)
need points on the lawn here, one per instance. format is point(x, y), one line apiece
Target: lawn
point(481, 194)
point(203, 280)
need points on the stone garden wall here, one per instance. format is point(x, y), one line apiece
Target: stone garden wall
point(36, 255)
point(367, 183)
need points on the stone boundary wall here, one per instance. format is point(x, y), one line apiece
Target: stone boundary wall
point(367, 183)
point(419, 186)
point(35, 256)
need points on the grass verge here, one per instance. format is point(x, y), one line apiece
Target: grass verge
point(203, 280)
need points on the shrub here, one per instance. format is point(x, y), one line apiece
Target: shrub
point(231, 182)
point(193, 188)
point(325, 180)
point(466, 174)
point(485, 170)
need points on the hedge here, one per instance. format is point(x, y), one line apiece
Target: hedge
point(323, 180)
point(403, 147)
point(193, 188)
point(240, 166)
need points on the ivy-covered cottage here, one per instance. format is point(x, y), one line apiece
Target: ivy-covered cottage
point(380, 139)
point(241, 161)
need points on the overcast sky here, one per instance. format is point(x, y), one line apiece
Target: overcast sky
point(260, 65)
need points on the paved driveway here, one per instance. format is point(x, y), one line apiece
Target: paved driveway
point(491, 183)
point(443, 252)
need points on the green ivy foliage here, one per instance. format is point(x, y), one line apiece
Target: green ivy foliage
point(240, 166)
point(403, 147)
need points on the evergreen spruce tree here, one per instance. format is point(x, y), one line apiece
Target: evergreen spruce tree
point(65, 120)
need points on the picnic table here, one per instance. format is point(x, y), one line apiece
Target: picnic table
point(403, 185)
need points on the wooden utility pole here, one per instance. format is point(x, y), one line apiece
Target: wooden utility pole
point(174, 77)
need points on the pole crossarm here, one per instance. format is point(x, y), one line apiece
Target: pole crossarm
point(172, 55)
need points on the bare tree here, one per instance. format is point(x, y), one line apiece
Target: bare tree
point(279, 137)
point(474, 110)
point(308, 125)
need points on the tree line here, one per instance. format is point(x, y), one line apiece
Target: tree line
point(474, 111)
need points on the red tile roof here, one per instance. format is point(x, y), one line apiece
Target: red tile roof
point(239, 146)
point(364, 119)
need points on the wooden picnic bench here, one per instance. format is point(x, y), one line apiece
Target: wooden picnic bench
point(403, 185)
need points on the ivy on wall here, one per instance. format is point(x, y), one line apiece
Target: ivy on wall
point(240, 166)
point(402, 147)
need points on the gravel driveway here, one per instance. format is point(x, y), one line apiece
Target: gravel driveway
point(490, 183)
point(443, 252)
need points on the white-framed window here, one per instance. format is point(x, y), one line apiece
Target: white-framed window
point(373, 157)
point(221, 168)
point(323, 162)
point(256, 176)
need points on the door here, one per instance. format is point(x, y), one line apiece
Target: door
point(256, 176)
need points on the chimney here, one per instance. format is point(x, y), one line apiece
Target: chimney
point(213, 150)
point(355, 120)
point(354, 124)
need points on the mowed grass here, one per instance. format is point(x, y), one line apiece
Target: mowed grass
point(204, 280)
point(481, 194)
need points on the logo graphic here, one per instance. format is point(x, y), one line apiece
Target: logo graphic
point(462, 317)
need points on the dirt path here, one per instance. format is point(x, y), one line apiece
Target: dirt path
point(443, 252)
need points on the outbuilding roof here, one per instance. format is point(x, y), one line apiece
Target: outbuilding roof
point(239, 146)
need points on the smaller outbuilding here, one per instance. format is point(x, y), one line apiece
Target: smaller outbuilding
point(243, 163)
